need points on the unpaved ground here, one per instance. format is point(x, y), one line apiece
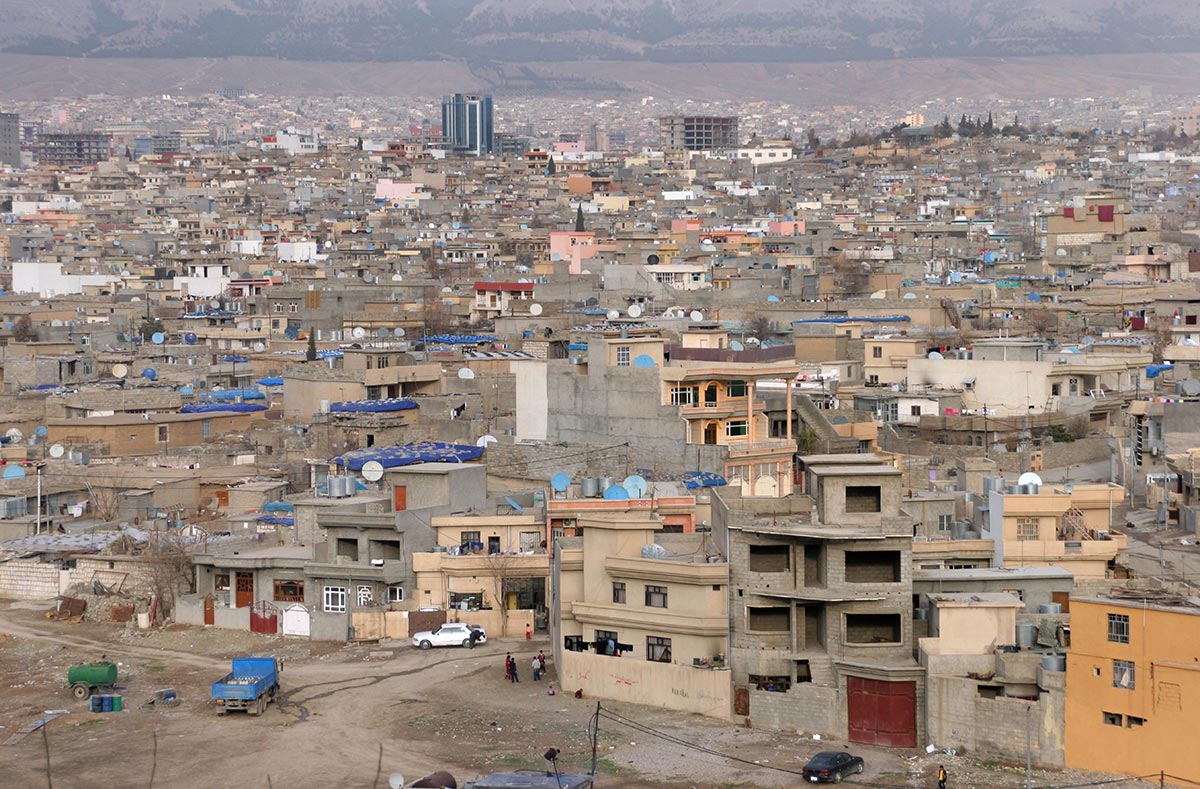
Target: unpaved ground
point(350, 713)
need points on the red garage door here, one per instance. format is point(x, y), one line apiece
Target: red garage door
point(882, 713)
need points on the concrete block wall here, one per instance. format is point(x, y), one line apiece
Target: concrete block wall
point(28, 579)
point(959, 717)
point(806, 708)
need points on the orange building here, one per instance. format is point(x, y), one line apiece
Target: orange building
point(1133, 676)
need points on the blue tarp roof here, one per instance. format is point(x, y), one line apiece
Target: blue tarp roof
point(278, 506)
point(577, 346)
point(373, 406)
point(210, 314)
point(406, 455)
point(245, 392)
point(850, 319)
point(235, 359)
point(459, 339)
point(270, 382)
point(208, 408)
point(276, 520)
point(702, 479)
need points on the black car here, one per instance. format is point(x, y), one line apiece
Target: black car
point(832, 767)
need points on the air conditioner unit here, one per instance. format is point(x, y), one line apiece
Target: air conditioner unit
point(377, 562)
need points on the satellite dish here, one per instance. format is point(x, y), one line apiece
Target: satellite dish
point(879, 294)
point(652, 259)
point(636, 485)
point(696, 315)
point(396, 781)
point(654, 551)
point(1191, 387)
point(150, 374)
point(634, 311)
point(616, 493)
point(259, 347)
point(13, 472)
point(909, 296)
point(372, 471)
point(291, 332)
point(592, 301)
point(358, 333)
point(485, 440)
point(753, 341)
point(613, 315)
point(190, 338)
point(120, 370)
point(466, 373)
point(14, 434)
point(935, 356)
point(214, 305)
point(57, 451)
point(643, 360)
point(772, 298)
point(535, 310)
point(736, 346)
point(397, 278)
point(447, 289)
point(158, 338)
point(1029, 478)
point(42, 431)
point(560, 481)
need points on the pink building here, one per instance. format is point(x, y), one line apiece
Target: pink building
point(575, 247)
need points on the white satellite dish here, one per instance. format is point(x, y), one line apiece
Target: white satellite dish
point(396, 781)
point(259, 347)
point(466, 374)
point(634, 311)
point(613, 315)
point(120, 370)
point(57, 450)
point(936, 356)
point(214, 304)
point(358, 333)
point(535, 310)
point(398, 331)
point(447, 290)
point(1029, 478)
point(696, 315)
point(372, 471)
point(879, 294)
point(397, 278)
point(485, 440)
point(14, 434)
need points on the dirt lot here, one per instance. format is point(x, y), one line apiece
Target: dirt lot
point(348, 713)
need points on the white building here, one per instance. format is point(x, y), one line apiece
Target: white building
point(294, 141)
point(46, 279)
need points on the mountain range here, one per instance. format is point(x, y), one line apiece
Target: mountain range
point(663, 31)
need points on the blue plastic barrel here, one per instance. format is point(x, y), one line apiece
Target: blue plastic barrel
point(107, 701)
point(94, 704)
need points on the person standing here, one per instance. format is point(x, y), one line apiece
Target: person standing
point(473, 637)
point(941, 776)
point(542, 662)
point(537, 669)
point(513, 670)
point(508, 667)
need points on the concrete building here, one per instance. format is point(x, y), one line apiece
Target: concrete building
point(468, 124)
point(699, 132)
point(10, 139)
point(77, 149)
point(821, 600)
point(639, 615)
point(295, 142)
point(1131, 678)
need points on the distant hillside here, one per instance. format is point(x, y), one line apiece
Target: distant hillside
point(519, 31)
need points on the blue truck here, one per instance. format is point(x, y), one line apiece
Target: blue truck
point(250, 686)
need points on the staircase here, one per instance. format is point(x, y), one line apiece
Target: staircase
point(1073, 526)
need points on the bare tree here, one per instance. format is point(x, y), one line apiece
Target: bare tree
point(169, 569)
point(502, 567)
point(104, 501)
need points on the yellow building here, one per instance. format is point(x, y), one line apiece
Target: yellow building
point(1064, 526)
point(1132, 677)
point(640, 615)
point(487, 570)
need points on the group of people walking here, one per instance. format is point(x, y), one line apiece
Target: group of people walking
point(538, 666)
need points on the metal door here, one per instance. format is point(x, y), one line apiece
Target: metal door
point(264, 618)
point(882, 713)
point(244, 590)
point(210, 616)
point(296, 620)
point(741, 701)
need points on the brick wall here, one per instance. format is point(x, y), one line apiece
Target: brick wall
point(28, 579)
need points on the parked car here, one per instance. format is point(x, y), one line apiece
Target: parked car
point(451, 634)
point(832, 767)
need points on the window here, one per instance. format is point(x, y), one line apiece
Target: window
point(872, 380)
point(606, 642)
point(736, 389)
point(289, 591)
point(914, 410)
point(206, 428)
point(1056, 389)
point(277, 307)
point(469, 541)
point(365, 595)
point(618, 592)
point(656, 596)
point(944, 522)
point(335, 600)
point(622, 356)
point(221, 582)
point(877, 352)
point(873, 629)
point(863, 498)
point(1123, 674)
point(1118, 628)
point(1112, 719)
point(162, 434)
point(803, 671)
point(771, 684)
point(1027, 529)
point(395, 594)
point(293, 308)
point(685, 395)
point(658, 649)
point(737, 427)
point(773, 620)
point(770, 558)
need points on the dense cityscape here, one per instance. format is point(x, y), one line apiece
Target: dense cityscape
point(762, 442)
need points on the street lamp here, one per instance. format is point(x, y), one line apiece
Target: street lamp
point(39, 467)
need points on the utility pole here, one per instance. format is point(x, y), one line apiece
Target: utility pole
point(1028, 749)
